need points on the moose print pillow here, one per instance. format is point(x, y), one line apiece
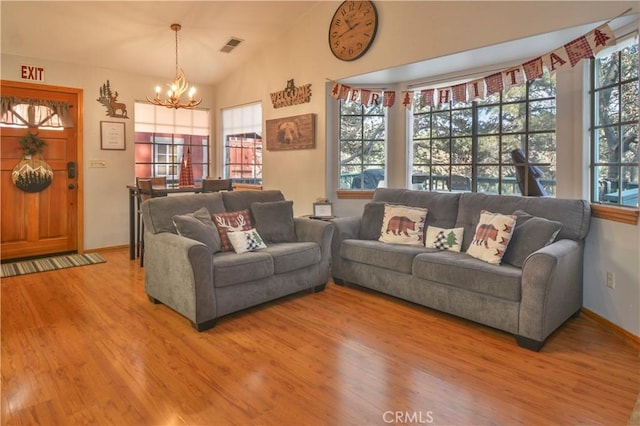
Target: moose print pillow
point(493, 234)
point(403, 225)
point(231, 222)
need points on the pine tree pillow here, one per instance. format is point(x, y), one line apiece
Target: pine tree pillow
point(444, 239)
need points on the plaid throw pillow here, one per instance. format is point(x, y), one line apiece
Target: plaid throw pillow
point(231, 222)
point(444, 239)
point(244, 241)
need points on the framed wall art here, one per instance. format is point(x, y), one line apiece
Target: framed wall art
point(112, 135)
point(297, 132)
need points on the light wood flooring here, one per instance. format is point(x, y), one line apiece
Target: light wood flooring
point(85, 346)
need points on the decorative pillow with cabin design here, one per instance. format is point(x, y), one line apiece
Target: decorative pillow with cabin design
point(403, 225)
point(230, 222)
point(493, 233)
point(444, 239)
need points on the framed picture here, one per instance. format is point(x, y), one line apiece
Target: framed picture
point(112, 135)
point(297, 132)
point(323, 210)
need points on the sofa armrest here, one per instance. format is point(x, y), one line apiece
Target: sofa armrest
point(318, 231)
point(551, 289)
point(179, 273)
point(345, 228)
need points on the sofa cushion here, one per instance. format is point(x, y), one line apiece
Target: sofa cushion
point(444, 239)
point(245, 241)
point(466, 272)
point(230, 268)
point(274, 221)
point(492, 236)
point(371, 222)
point(403, 225)
point(389, 256)
point(229, 222)
point(530, 234)
point(292, 256)
point(198, 226)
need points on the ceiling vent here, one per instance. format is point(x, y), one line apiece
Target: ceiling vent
point(231, 44)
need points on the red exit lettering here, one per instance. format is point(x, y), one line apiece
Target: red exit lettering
point(28, 72)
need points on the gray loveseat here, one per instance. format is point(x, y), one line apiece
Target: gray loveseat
point(530, 300)
point(191, 275)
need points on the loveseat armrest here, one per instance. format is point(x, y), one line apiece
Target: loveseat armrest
point(551, 291)
point(318, 231)
point(179, 273)
point(345, 228)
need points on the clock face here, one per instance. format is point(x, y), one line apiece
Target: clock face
point(353, 29)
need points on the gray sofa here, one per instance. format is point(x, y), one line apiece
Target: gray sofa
point(530, 301)
point(192, 277)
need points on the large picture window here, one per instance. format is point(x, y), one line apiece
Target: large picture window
point(242, 135)
point(163, 137)
point(362, 146)
point(468, 146)
point(614, 132)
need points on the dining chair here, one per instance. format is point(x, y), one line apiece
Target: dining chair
point(215, 185)
point(146, 188)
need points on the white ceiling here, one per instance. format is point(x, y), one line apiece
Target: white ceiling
point(134, 36)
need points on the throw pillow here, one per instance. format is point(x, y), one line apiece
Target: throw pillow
point(530, 234)
point(274, 221)
point(492, 236)
point(444, 239)
point(371, 222)
point(198, 226)
point(231, 222)
point(244, 241)
point(403, 225)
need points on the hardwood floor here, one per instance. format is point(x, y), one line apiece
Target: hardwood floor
point(84, 345)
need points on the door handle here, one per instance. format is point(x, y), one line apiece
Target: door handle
point(72, 186)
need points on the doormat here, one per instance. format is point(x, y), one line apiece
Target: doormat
point(49, 264)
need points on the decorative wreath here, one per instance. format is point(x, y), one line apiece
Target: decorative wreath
point(32, 174)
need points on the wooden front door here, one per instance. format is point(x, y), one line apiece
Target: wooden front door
point(49, 221)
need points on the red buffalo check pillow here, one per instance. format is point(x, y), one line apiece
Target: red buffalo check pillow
point(403, 225)
point(231, 222)
point(492, 236)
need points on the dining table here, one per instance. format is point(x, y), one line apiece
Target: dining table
point(133, 208)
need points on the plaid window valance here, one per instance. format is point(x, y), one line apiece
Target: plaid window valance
point(34, 112)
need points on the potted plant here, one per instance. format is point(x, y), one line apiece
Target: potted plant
point(32, 173)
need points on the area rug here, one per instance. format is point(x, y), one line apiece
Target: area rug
point(49, 264)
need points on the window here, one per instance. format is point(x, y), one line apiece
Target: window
point(241, 132)
point(362, 145)
point(163, 137)
point(467, 146)
point(614, 131)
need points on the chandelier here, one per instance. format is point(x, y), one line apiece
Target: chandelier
point(178, 87)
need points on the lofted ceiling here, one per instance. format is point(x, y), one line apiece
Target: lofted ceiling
point(135, 36)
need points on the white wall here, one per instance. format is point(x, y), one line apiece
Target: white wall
point(106, 201)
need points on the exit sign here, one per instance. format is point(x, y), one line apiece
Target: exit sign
point(31, 73)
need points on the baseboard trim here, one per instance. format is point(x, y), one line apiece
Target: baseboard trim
point(616, 329)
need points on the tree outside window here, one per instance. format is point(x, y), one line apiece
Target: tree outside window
point(614, 133)
point(467, 146)
point(362, 145)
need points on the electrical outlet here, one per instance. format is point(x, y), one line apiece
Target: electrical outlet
point(611, 280)
point(98, 163)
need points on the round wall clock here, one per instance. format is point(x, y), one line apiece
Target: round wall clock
point(353, 29)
